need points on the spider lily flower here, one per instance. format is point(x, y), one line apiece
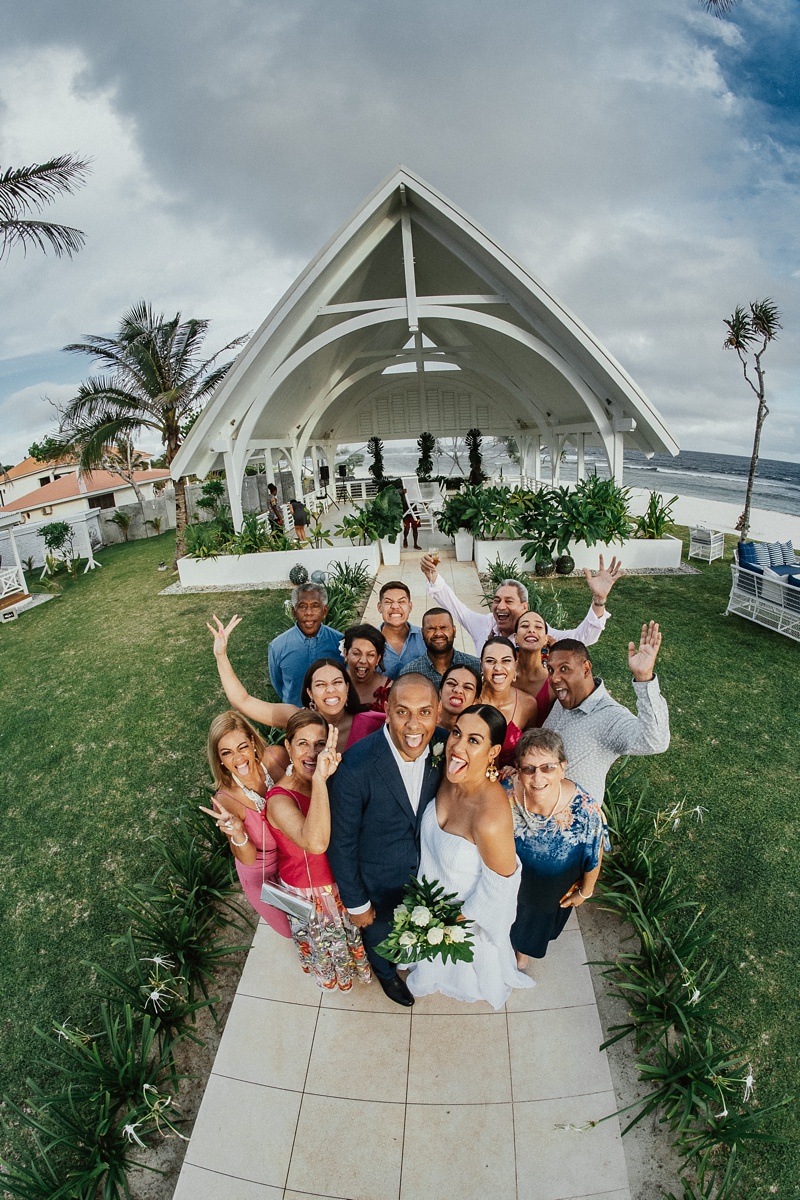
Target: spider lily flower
point(129, 1131)
point(748, 1084)
point(160, 961)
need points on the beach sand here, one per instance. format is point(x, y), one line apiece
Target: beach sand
point(765, 525)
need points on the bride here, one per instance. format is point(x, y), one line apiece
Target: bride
point(468, 846)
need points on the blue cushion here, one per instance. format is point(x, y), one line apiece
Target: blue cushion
point(793, 580)
point(750, 566)
point(761, 552)
point(775, 554)
point(746, 552)
point(782, 571)
point(787, 549)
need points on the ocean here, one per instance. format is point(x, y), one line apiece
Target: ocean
point(691, 473)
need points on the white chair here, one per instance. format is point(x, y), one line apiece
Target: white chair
point(419, 505)
point(707, 544)
point(288, 520)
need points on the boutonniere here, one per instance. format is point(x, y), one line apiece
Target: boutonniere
point(437, 754)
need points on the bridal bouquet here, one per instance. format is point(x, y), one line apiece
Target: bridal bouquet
point(426, 925)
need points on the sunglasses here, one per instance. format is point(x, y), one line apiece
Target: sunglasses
point(545, 768)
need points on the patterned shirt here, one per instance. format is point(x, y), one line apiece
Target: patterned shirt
point(424, 666)
point(600, 730)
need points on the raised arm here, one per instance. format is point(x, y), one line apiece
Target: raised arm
point(238, 696)
point(311, 832)
point(648, 731)
point(600, 584)
point(477, 625)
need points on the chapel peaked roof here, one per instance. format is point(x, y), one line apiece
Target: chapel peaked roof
point(411, 264)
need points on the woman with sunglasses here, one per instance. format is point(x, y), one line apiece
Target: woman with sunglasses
point(558, 832)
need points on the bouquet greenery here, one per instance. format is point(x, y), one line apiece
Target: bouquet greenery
point(428, 924)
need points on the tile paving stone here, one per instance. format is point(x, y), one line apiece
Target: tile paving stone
point(359, 1056)
point(196, 1183)
point(558, 1163)
point(245, 1130)
point(459, 1060)
point(276, 1045)
point(348, 1148)
point(458, 1152)
point(273, 972)
point(554, 1052)
point(562, 978)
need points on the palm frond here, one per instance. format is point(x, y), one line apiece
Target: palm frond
point(62, 239)
point(25, 189)
point(718, 8)
point(765, 319)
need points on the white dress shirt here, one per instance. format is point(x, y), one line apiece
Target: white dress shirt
point(412, 775)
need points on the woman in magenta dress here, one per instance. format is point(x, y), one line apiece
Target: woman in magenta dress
point(533, 643)
point(299, 817)
point(499, 673)
point(244, 769)
point(363, 648)
point(327, 687)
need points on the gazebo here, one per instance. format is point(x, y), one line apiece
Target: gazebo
point(412, 318)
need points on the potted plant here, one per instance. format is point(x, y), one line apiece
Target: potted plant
point(460, 520)
point(385, 513)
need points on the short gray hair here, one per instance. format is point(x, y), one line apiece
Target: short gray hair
point(522, 591)
point(540, 739)
point(307, 589)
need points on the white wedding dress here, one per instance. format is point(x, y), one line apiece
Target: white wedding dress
point(487, 899)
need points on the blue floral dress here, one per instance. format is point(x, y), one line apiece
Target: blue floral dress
point(555, 852)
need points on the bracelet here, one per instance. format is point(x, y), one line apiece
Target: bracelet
point(580, 893)
point(598, 604)
point(246, 840)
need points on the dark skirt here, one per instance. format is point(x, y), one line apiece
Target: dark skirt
point(539, 918)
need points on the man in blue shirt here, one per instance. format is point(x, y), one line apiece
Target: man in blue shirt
point(403, 641)
point(439, 635)
point(293, 652)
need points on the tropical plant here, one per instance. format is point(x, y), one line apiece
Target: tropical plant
point(49, 450)
point(212, 495)
point(203, 540)
point(474, 440)
point(58, 537)
point(750, 332)
point(656, 519)
point(156, 522)
point(157, 379)
point(317, 534)
point(386, 514)
point(122, 520)
point(426, 444)
point(253, 537)
point(358, 527)
point(26, 190)
point(375, 447)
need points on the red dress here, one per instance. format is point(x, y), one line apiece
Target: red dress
point(544, 702)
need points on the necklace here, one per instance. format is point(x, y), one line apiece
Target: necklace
point(253, 797)
point(552, 810)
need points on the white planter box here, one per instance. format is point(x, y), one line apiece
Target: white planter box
point(390, 552)
point(271, 566)
point(638, 553)
point(464, 543)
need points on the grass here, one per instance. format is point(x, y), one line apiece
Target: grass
point(107, 693)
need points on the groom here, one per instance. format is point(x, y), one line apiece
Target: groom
point(378, 796)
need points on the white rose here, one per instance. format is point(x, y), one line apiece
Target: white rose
point(456, 933)
point(438, 748)
point(408, 938)
point(400, 912)
point(435, 935)
point(420, 915)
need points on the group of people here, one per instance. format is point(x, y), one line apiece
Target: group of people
point(406, 757)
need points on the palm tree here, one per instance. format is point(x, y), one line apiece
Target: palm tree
point(718, 7)
point(750, 331)
point(157, 381)
point(24, 190)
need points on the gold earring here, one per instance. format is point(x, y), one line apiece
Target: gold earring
point(492, 773)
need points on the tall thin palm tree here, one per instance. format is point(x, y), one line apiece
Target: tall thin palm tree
point(157, 381)
point(26, 190)
point(750, 331)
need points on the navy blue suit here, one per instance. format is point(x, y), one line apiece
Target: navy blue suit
point(374, 846)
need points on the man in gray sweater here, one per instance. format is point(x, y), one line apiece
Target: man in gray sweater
point(596, 729)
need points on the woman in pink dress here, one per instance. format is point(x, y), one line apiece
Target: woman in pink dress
point(244, 768)
point(533, 644)
point(299, 818)
point(327, 687)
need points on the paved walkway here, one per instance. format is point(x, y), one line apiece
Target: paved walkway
point(352, 1097)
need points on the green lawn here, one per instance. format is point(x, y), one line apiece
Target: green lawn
point(106, 696)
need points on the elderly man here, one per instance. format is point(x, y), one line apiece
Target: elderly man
point(511, 600)
point(403, 640)
point(597, 730)
point(292, 652)
point(378, 796)
point(439, 635)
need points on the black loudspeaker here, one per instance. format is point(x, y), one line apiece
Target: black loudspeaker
point(324, 475)
point(341, 470)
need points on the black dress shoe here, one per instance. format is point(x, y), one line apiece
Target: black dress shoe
point(396, 990)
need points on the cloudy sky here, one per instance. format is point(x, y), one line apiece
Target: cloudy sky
point(639, 156)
